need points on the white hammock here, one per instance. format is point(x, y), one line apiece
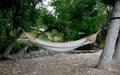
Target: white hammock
point(60, 47)
point(66, 46)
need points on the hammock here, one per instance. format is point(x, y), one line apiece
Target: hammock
point(66, 46)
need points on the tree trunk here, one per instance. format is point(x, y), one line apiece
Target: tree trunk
point(10, 46)
point(24, 49)
point(108, 51)
point(117, 51)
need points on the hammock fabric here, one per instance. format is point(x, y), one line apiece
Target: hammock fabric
point(66, 46)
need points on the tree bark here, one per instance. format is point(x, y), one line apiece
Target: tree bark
point(10, 46)
point(112, 34)
point(117, 51)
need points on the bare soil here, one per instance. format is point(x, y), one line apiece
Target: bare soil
point(45, 63)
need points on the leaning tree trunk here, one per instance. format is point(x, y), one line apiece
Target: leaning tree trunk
point(117, 51)
point(108, 51)
point(10, 46)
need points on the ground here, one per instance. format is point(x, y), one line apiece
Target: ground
point(45, 63)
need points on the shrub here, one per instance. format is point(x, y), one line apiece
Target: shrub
point(22, 43)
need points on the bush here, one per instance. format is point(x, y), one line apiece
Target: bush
point(22, 43)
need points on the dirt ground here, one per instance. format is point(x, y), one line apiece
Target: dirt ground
point(57, 64)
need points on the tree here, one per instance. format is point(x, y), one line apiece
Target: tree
point(107, 54)
point(15, 14)
point(117, 51)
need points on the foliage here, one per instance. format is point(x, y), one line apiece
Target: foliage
point(108, 2)
point(74, 16)
point(15, 14)
point(5, 37)
point(53, 36)
point(92, 24)
point(20, 13)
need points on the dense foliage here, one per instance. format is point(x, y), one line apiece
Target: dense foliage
point(15, 14)
point(108, 2)
point(74, 16)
